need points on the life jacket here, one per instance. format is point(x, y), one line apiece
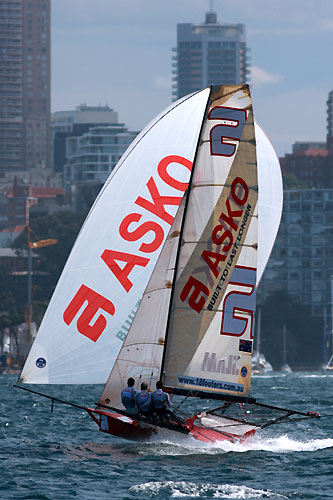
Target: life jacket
point(143, 400)
point(160, 399)
point(128, 397)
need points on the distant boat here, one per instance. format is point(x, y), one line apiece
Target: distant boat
point(329, 366)
point(186, 318)
point(328, 340)
point(285, 367)
point(260, 364)
point(259, 361)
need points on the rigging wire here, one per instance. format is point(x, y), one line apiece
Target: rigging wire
point(190, 393)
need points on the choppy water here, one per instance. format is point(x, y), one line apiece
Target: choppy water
point(62, 455)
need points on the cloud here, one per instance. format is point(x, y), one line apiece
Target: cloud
point(162, 82)
point(261, 77)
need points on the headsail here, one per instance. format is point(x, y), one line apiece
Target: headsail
point(141, 354)
point(209, 339)
point(109, 267)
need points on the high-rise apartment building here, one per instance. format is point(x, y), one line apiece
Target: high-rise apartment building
point(74, 123)
point(312, 162)
point(301, 263)
point(309, 165)
point(92, 156)
point(208, 53)
point(24, 85)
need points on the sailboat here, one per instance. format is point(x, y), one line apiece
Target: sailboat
point(259, 363)
point(161, 282)
point(328, 340)
point(328, 367)
point(285, 368)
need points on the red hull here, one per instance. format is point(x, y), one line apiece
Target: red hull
point(134, 430)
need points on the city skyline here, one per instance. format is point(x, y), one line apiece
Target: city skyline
point(120, 54)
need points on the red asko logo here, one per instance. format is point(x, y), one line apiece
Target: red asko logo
point(223, 140)
point(130, 231)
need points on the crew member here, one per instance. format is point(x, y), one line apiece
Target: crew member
point(128, 396)
point(162, 404)
point(143, 400)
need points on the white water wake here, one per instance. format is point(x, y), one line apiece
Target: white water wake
point(281, 444)
point(284, 444)
point(183, 489)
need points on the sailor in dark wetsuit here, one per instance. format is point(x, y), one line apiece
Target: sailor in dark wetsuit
point(128, 397)
point(143, 400)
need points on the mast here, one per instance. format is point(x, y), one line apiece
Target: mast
point(259, 331)
point(331, 333)
point(284, 344)
point(325, 335)
point(182, 230)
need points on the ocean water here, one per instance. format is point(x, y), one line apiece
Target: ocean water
point(62, 455)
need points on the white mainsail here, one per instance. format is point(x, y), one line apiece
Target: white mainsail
point(110, 264)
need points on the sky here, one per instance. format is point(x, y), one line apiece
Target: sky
point(118, 52)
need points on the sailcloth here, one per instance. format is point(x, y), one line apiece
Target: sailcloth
point(99, 291)
point(110, 264)
point(209, 339)
point(270, 199)
point(183, 331)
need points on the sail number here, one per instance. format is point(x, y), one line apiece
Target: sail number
point(238, 305)
point(225, 136)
